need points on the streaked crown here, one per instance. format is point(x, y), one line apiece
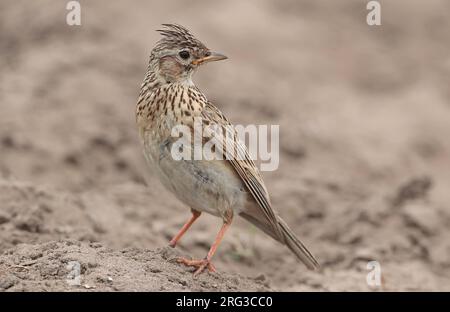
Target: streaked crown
point(176, 56)
point(176, 36)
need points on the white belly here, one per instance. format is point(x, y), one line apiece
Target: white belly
point(205, 185)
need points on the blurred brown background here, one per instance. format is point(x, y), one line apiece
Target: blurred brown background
point(364, 115)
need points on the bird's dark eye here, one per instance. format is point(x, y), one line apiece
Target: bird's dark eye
point(184, 55)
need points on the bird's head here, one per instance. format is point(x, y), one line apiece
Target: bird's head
point(178, 54)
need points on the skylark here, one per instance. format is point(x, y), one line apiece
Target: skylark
point(224, 188)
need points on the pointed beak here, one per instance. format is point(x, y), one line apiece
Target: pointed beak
point(214, 56)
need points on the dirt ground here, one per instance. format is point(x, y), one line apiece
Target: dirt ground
point(364, 169)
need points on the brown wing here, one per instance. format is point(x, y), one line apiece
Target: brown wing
point(261, 214)
point(244, 165)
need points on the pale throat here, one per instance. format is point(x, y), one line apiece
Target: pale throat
point(160, 74)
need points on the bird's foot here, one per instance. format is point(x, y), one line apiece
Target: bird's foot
point(201, 265)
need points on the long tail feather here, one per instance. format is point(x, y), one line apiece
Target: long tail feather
point(297, 247)
point(289, 239)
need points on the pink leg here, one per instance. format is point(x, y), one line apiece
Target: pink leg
point(195, 215)
point(201, 265)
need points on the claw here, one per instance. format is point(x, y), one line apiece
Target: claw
point(201, 265)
